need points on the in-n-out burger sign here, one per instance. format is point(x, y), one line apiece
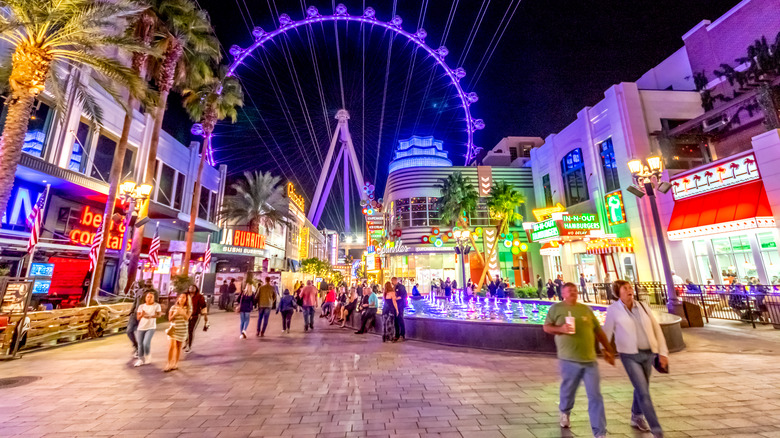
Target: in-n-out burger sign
point(247, 239)
point(89, 222)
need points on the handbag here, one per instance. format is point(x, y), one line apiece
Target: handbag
point(657, 359)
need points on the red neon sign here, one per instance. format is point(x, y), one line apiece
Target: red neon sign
point(92, 221)
point(248, 239)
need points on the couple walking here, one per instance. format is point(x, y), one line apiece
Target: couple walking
point(639, 341)
point(394, 328)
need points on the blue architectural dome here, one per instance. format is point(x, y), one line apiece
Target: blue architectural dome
point(419, 152)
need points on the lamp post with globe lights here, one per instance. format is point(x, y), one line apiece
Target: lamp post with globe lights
point(462, 248)
point(648, 176)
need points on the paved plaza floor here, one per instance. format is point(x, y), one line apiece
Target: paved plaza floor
point(333, 383)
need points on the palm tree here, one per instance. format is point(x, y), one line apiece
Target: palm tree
point(215, 100)
point(188, 45)
point(502, 203)
point(458, 200)
point(49, 39)
point(259, 201)
point(141, 29)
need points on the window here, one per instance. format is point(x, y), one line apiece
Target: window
point(611, 181)
point(37, 130)
point(127, 166)
point(513, 153)
point(78, 163)
point(419, 212)
point(104, 155)
point(574, 183)
point(770, 256)
point(735, 259)
point(203, 211)
point(702, 261)
point(434, 217)
point(402, 217)
point(165, 190)
point(548, 202)
point(179, 191)
point(213, 207)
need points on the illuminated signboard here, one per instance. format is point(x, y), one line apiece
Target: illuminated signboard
point(717, 176)
point(544, 230)
point(616, 213)
point(248, 239)
point(545, 213)
point(41, 269)
point(303, 249)
point(20, 205)
point(579, 224)
point(295, 197)
point(89, 221)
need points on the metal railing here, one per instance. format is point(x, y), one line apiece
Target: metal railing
point(754, 304)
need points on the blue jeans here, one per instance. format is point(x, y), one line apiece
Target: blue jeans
point(572, 373)
point(639, 368)
point(308, 316)
point(245, 320)
point(263, 313)
point(144, 339)
point(132, 324)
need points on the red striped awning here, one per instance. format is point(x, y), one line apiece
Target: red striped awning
point(609, 246)
point(744, 206)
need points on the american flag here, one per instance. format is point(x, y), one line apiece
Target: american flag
point(154, 248)
point(93, 251)
point(35, 220)
point(207, 255)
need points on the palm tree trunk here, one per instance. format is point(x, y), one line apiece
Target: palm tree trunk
point(113, 187)
point(138, 234)
point(492, 252)
point(19, 108)
point(194, 207)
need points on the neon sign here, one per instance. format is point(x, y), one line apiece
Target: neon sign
point(248, 239)
point(20, 205)
point(545, 213)
point(295, 197)
point(92, 221)
point(718, 176)
point(616, 213)
point(544, 230)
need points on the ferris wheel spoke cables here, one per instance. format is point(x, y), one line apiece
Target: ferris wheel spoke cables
point(317, 76)
point(497, 38)
point(313, 17)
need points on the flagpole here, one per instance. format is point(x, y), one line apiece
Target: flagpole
point(40, 217)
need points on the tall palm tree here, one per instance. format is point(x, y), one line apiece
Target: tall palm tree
point(458, 200)
point(188, 45)
point(215, 100)
point(49, 39)
point(142, 29)
point(502, 203)
point(260, 200)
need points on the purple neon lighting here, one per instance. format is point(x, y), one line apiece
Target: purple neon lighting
point(368, 17)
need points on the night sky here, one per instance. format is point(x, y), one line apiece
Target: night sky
point(554, 58)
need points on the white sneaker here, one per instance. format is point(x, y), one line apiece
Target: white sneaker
point(565, 422)
point(639, 422)
point(138, 363)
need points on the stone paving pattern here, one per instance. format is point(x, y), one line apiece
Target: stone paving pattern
point(332, 383)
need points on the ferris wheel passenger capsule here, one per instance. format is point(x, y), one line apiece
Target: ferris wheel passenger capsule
point(421, 34)
point(236, 51)
point(397, 21)
point(285, 20)
point(442, 51)
point(479, 124)
point(258, 32)
point(312, 12)
point(472, 97)
point(369, 13)
point(341, 9)
point(460, 72)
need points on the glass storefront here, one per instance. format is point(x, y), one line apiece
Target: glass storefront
point(735, 259)
point(424, 268)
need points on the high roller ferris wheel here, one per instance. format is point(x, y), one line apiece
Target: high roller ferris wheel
point(341, 134)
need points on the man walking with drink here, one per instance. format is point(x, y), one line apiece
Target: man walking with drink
point(576, 329)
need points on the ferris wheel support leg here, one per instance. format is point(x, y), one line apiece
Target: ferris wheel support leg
point(321, 206)
point(317, 200)
point(347, 207)
point(356, 172)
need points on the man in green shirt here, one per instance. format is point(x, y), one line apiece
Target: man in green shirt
point(576, 329)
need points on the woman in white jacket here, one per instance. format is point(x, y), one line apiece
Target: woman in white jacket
point(638, 338)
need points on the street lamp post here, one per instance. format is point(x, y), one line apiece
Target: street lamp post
point(462, 248)
point(648, 180)
point(133, 196)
